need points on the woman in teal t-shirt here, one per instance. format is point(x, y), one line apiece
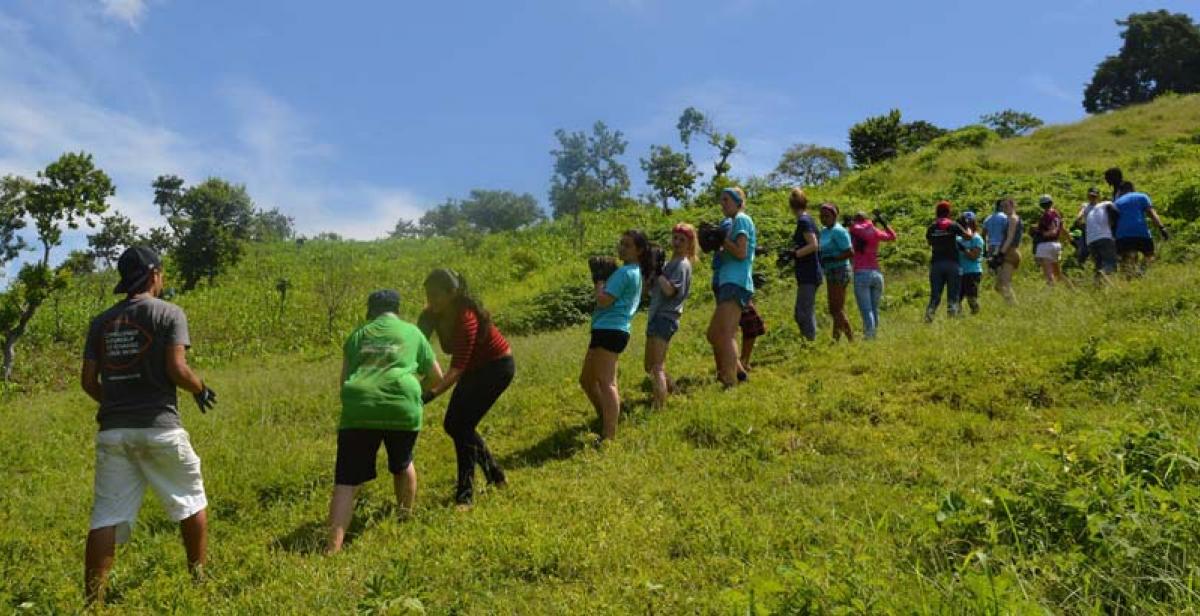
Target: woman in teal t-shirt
point(835, 256)
point(616, 302)
point(734, 282)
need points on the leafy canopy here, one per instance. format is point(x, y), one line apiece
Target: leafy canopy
point(1160, 53)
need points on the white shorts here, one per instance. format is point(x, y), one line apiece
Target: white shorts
point(1049, 251)
point(129, 458)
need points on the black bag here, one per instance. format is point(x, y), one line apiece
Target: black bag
point(711, 236)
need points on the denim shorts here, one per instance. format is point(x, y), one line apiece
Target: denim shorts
point(662, 327)
point(839, 277)
point(731, 292)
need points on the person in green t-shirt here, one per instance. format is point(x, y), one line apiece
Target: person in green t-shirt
point(387, 366)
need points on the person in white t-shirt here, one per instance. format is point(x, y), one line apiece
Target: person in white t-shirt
point(1099, 218)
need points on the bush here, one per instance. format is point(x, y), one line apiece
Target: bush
point(552, 310)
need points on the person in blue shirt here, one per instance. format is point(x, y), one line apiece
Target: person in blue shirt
point(735, 284)
point(970, 260)
point(1133, 234)
point(616, 302)
point(835, 253)
point(995, 228)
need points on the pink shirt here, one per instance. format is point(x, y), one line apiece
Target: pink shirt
point(866, 237)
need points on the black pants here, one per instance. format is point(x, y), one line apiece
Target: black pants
point(474, 396)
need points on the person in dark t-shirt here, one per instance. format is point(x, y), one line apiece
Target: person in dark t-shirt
point(942, 237)
point(805, 262)
point(133, 360)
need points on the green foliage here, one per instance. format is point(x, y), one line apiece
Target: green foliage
point(484, 211)
point(1160, 54)
point(117, 232)
point(876, 139)
point(68, 191)
point(917, 134)
point(549, 311)
point(807, 164)
point(211, 222)
point(1184, 203)
point(671, 174)
point(271, 226)
point(1011, 123)
point(587, 175)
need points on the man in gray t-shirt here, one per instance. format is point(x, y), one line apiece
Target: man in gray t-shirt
point(134, 358)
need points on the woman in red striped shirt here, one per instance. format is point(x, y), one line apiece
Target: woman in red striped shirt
point(481, 365)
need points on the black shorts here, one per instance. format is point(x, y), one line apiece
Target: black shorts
point(1127, 245)
point(611, 340)
point(356, 451)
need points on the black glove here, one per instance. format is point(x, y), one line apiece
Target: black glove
point(1163, 232)
point(206, 399)
point(602, 268)
point(711, 237)
point(880, 219)
point(427, 397)
point(996, 261)
point(660, 259)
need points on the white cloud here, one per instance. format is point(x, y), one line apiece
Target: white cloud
point(1046, 85)
point(46, 109)
point(132, 12)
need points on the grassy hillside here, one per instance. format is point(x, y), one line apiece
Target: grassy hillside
point(1036, 457)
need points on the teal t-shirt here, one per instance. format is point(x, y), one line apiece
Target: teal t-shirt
point(625, 285)
point(734, 271)
point(835, 240)
point(966, 264)
point(385, 361)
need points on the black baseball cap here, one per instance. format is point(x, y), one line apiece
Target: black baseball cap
point(135, 266)
point(383, 300)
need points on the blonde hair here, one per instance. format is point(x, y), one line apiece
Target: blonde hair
point(689, 246)
point(798, 200)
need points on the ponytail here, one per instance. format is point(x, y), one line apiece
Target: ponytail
point(645, 259)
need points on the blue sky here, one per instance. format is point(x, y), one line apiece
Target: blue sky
point(350, 115)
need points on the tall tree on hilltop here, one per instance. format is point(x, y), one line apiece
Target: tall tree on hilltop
point(587, 173)
point(692, 122)
point(1011, 123)
point(271, 226)
point(1160, 53)
point(876, 139)
point(68, 191)
point(210, 221)
point(671, 174)
point(808, 164)
point(492, 211)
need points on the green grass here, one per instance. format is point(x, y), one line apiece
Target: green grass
point(1034, 458)
point(817, 484)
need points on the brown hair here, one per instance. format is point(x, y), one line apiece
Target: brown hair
point(798, 200)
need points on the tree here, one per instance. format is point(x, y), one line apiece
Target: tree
point(500, 210)
point(116, 234)
point(808, 164)
point(692, 123)
point(442, 219)
point(69, 191)
point(1011, 123)
point(587, 175)
point(671, 174)
point(79, 262)
point(876, 139)
point(159, 239)
point(1160, 53)
point(210, 221)
point(272, 226)
point(405, 229)
point(917, 134)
